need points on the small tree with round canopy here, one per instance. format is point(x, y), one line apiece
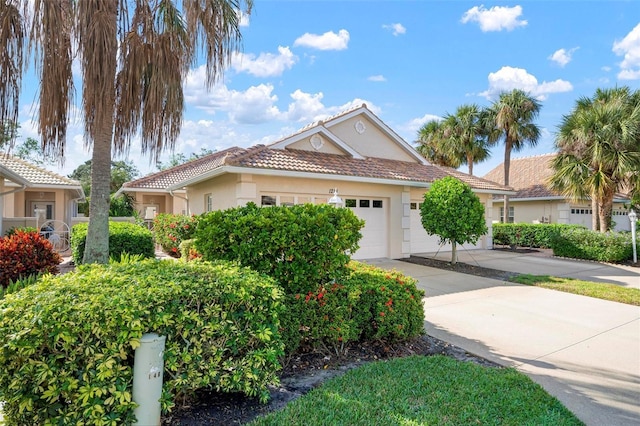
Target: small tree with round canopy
point(453, 212)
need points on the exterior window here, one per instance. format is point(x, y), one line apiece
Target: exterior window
point(377, 204)
point(511, 217)
point(364, 203)
point(350, 202)
point(268, 200)
point(413, 206)
point(208, 202)
point(286, 200)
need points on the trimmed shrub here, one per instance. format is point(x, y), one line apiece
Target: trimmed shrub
point(538, 235)
point(124, 237)
point(369, 304)
point(170, 230)
point(75, 366)
point(188, 251)
point(590, 245)
point(23, 254)
point(301, 246)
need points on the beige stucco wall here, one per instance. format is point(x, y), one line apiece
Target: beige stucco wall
point(372, 142)
point(328, 147)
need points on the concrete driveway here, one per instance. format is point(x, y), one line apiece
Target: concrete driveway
point(584, 351)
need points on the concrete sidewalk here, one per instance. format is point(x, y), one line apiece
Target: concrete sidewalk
point(584, 351)
point(624, 275)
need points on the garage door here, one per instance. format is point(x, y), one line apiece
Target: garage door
point(421, 242)
point(375, 234)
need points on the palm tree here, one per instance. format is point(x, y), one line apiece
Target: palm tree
point(432, 145)
point(599, 150)
point(511, 118)
point(465, 137)
point(134, 55)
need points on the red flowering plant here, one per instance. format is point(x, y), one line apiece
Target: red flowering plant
point(26, 253)
point(390, 305)
point(320, 320)
point(172, 229)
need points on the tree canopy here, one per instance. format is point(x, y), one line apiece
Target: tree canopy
point(133, 57)
point(453, 212)
point(598, 147)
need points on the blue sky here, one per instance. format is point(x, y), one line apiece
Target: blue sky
point(409, 61)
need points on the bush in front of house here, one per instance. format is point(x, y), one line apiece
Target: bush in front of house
point(538, 235)
point(68, 341)
point(170, 230)
point(124, 237)
point(590, 245)
point(13, 230)
point(23, 254)
point(368, 304)
point(188, 250)
point(301, 246)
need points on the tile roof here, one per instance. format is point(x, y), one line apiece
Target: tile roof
point(527, 175)
point(35, 175)
point(262, 157)
point(191, 169)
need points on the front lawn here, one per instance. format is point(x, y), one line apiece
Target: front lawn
point(419, 390)
point(605, 291)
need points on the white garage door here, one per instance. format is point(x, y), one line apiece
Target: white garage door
point(421, 242)
point(375, 234)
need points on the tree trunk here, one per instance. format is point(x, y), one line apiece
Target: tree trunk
point(454, 253)
point(507, 169)
point(606, 207)
point(470, 163)
point(100, 46)
point(595, 223)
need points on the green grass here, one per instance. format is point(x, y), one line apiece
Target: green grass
point(434, 390)
point(605, 291)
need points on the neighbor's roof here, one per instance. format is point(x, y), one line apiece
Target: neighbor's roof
point(290, 160)
point(32, 175)
point(527, 175)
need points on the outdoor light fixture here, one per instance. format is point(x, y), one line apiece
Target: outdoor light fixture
point(335, 200)
point(633, 217)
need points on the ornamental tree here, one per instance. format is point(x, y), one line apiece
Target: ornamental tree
point(453, 212)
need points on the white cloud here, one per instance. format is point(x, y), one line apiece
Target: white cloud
point(377, 78)
point(509, 78)
point(244, 19)
point(629, 48)
point(326, 41)
point(412, 127)
point(497, 18)
point(396, 29)
point(562, 56)
point(265, 64)
point(606, 68)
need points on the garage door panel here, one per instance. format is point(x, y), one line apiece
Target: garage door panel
point(375, 233)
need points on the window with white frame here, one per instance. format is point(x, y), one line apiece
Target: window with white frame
point(208, 202)
point(511, 217)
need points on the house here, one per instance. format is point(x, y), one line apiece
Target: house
point(353, 155)
point(534, 202)
point(31, 195)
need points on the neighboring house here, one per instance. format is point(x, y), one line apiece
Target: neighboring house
point(31, 195)
point(534, 202)
point(375, 172)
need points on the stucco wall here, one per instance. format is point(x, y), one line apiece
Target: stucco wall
point(372, 142)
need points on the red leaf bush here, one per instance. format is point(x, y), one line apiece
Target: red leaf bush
point(26, 253)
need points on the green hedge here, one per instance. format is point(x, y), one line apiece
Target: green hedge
point(300, 246)
point(124, 237)
point(539, 235)
point(68, 341)
point(170, 230)
point(589, 245)
point(369, 304)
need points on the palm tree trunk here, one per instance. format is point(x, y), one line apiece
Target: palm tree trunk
point(470, 163)
point(507, 169)
point(606, 206)
point(595, 223)
point(100, 41)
